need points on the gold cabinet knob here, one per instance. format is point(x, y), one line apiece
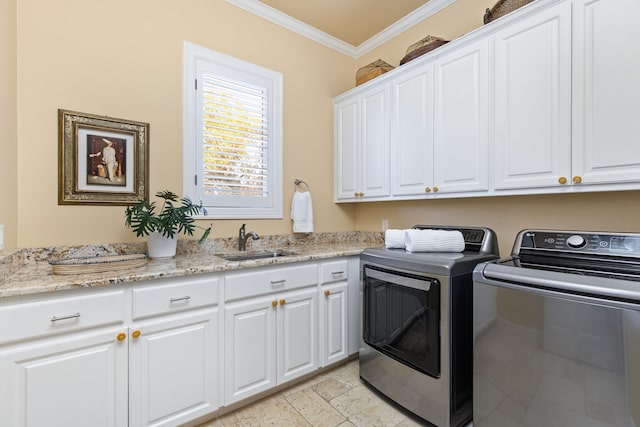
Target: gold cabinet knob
point(355, 194)
point(577, 179)
point(121, 336)
point(327, 293)
point(360, 194)
point(283, 302)
point(427, 190)
point(136, 334)
point(562, 180)
point(435, 189)
point(274, 303)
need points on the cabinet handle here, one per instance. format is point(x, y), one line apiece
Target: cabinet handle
point(136, 333)
point(283, 302)
point(274, 303)
point(427, 190)
point(280, 282)
point(355, 194)
point(70, 316)
point(577, 179)
point(327, 293)
point(121, 336)
point(337, 273)
point(361, 194)
point(435, 189)
point(562, 180)
point(184, 298)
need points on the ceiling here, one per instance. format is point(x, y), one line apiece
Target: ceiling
point(352, 21)
point(352, 27)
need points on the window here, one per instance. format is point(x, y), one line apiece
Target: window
point(232, 149)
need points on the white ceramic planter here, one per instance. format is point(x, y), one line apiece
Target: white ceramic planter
point(159, 246)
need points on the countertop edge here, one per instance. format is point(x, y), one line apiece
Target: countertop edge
point(40, 278)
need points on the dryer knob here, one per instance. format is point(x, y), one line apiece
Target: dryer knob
point(576, 241)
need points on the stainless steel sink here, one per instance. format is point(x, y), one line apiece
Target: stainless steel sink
point(247, 256)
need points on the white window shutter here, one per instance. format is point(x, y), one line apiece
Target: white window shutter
point(237, 158)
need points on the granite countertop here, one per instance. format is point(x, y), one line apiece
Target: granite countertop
point(27, 271)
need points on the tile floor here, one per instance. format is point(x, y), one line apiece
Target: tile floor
point(334, 398)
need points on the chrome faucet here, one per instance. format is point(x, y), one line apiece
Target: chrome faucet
point(243, 237)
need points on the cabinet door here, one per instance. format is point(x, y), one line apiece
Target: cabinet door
point(173, 370)
point(412, 137)
point(79, 381)
point(334, 327)
point(532, 114)
point(375, 143)
point(461, 106)
point(606, 91)
point(297, 334)
point(250, 348)
point(347, 162)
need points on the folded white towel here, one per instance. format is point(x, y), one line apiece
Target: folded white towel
point(302, 212)
point(394, 239)
point(433, 240)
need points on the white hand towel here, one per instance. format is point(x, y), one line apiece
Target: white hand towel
point(302, 212)
point(434, 240)
point(394, 239)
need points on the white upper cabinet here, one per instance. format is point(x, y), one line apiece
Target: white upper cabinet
point(362, 145)
point(375, 143)
point(543, 100)
point(461, 117)
point(532, 104)
point(412, 134)
point(606, 91)
point(346, 149)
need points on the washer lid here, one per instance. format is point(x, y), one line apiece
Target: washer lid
point(442, 263)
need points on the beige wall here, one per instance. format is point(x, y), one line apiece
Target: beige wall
point(612, 211)
point(8, 138)
point(507, 215)
point(124, 59)
point(450, 23)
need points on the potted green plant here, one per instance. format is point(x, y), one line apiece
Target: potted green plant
point(162, 228)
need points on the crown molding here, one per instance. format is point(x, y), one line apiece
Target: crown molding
point(271, 14)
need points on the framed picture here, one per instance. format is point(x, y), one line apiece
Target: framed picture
point(102, 160)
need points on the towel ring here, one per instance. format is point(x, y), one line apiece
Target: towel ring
point(298, 182)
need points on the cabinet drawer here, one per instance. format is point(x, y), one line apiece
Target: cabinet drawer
point(174, 297)
point(28, 320)
point(269, 280)
point(335, 271)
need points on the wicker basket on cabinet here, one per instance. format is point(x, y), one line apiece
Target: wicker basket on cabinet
point(502, 8)
point(371, 71)
point(421, 47)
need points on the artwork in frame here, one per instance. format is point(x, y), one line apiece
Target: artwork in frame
point(102, 160)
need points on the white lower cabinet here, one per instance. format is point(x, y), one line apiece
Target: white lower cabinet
point(72, 381)
point(269, 340)
point(172, 369)
point(157, 353)
point(334, 322)
point(146, 355)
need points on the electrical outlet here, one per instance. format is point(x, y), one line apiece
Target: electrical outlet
point(385, 224)
point(1, 237)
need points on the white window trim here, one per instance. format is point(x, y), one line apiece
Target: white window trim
point(191, 55)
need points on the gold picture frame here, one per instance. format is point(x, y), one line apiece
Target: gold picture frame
point(101, 160)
